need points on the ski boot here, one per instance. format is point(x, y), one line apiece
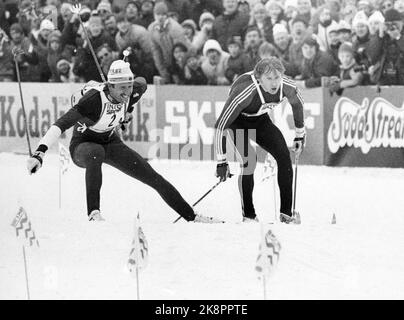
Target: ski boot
point(95, 215)
point(293, 219)
point(248, 219)
point(203, 219)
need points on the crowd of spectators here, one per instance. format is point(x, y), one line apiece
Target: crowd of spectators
point(330, 43)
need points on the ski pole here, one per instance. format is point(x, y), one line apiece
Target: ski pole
point(17, 52)
point(201, 198)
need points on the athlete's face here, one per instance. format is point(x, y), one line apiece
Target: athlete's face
point(271, 81)
point(121, 91)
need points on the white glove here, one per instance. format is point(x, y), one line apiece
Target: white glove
point(34, 163)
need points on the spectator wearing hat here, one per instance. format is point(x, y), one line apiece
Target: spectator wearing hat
point(65, 13)
point(316, 64)
point(65, 72)
point(198, 7)
point(299, 30)
point(252, 42)
point(229, 24)
point(105, 57)
point(190, 29)
point(205, 24)
point(262, 21)
point(238, 62)
point(165, 32)
point(389, 51)
point(28, 60)
point(133, 12)
point(290, 11)
point(386, 5)
point(25, 16)
point(6, 58)
point(40, 42)
point(129, 34)
point(181, 7)
point(55, 53)
point(214, 63)
point(344, 31)
point(360, 26)
point(244, 7)
point(104, 9)
point(193, 74)
point(376, 22)
point(349, 75)
point(365, 6)
point(333, 41)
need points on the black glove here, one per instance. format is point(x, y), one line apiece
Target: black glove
point(300, 141)
point(223, 171)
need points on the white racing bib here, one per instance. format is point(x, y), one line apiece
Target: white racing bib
point(112, 114)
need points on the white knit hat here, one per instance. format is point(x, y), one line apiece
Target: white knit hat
point(119, 72)
point(290, 3)
point(211, 44)
point(279, 28)
point(377, 16)
point(47, 25)
point(360, 18)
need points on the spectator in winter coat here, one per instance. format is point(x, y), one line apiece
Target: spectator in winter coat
point(6, 58)
point(181, 7)
point(177, 69)
point(344, 32)
point(111, 26)
point(365, 6)
point(55, 53)
point(205, 24)
point(389, 51)
point(348, 73)
point(299, 31)
point(375, 21)
point(198, 7)
point(229, 24)
point(104, 9)
point(193, 74)
point(65, 72)
point(252, 42)
point(129, 34)
point(28, 60)
point(316, 64)
point(238, 62)
point(262, 21)
point(214, 64)
point(334, 42)
point(322, 29)
point(282, 43)
point(290, 10)
point(164, 33)
point(190, 29)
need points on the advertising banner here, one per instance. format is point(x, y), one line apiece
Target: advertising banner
point(365, 127)
point(186, 117)
point(45, 102)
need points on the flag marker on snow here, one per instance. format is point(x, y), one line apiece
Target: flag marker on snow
point(139, 253)
point(334, 219)
point(268, 257)
point(24, 232)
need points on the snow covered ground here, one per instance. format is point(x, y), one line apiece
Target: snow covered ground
point(360, 257)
